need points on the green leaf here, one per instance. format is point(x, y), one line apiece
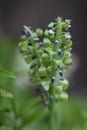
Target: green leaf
point(39, 31)
point(63, 96)
point(28, 59)
point(51, 53)
point(58, 88)
point(42, 71)
point(46, 84)
point(50, 24)
point(23, 38)
point(67, 60)
point(6, 74)
point(45, 56)
point(46, 41)
point(57, 62)
point(33, 115)
point(64, 83)
point(68, 43)
point(23, 46)
point(27, 106)
point(4, 93)
point(46, 33)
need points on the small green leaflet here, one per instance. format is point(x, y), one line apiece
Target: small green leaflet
point(6, 74)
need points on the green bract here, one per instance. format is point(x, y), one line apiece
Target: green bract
point(49, 57)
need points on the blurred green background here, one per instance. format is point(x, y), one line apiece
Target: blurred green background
point(25, 111)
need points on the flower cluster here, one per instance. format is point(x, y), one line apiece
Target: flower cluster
point(48, 55)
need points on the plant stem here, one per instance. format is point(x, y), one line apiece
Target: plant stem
point(52, 111)
point(59, 31)
point(53, 114)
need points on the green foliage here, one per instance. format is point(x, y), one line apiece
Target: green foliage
point(6, 74)
point(4, 93)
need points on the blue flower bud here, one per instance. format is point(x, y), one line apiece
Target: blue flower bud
point(53, 79)
point(54, 25)
point(59, 52)
point(55, 42)
point(41, 44)
point(60, 73)
point(55, 20)
point(58, 67)
point(51, 98)
point(30, 28)
point(50, 28)
point(26, 33)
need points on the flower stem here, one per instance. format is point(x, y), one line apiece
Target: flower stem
point(52, 111)
point(52, 119)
